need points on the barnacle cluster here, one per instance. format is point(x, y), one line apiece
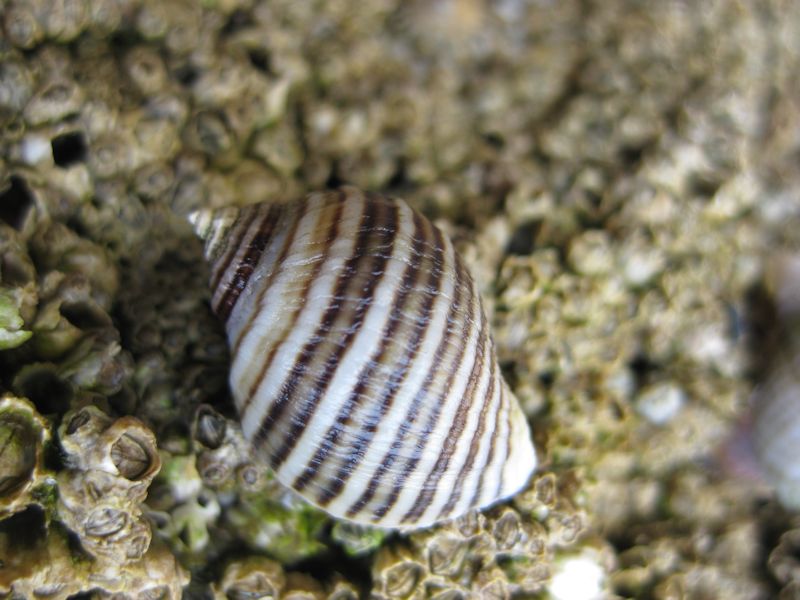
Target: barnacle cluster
point(110, 466)
point(616, 174)
point(503, 552)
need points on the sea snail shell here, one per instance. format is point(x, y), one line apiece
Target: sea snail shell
point(363, 368)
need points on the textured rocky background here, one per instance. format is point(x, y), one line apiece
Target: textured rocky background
point(619, 175)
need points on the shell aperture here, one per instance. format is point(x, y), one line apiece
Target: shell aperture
point(363, 368)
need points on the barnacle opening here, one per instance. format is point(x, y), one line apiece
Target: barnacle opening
point(69, 148)
point(42, 385)
point(137, 546)
point(84, 315)
point(78, 421)
point(105, 522)
point(132, 457)
point(402, 579)
point(210, 427)
point(16, 268)
point(27, 528)
point(16, 202)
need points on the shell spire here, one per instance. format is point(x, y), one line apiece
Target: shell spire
point(235, 238)
point(363, 368)
point(212, 226)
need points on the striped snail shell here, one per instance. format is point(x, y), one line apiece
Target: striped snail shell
point(363, 367)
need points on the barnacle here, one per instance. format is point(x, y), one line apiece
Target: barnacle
point(23, 435)
point(111, 465)
point(19, 291)
point(57, 248)
point(56, 100)
point(501, 552)
point(12, 333)
point(251, 578)
point(223, 454)
point(48, 565)
point(398, 574)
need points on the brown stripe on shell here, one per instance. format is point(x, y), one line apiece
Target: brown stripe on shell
point(225, 254)
point(296, 219)
point(248, 263)
point(456, 430)
point(332, 233)
point(492, 445)
point(372, 220)
point(367, 373)
point(410, 418)
point(507, 422)
point(478, 436)
point(435, 370)
point(334, 487)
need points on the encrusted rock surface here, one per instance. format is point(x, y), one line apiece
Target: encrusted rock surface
point(617, 174)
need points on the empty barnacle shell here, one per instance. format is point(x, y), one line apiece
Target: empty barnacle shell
point(363, 367)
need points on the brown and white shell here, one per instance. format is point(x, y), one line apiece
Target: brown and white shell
point(363, 367)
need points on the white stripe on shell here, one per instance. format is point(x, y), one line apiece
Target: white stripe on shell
point(449, 476)
point(241, 245)
point(473, 477)
point(301, 256)
point(495, 472)
point(453, 396)
point(521, 462)
point(358, 355)
point(389, 426)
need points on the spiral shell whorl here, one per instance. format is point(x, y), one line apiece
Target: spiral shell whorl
point(363, 368)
